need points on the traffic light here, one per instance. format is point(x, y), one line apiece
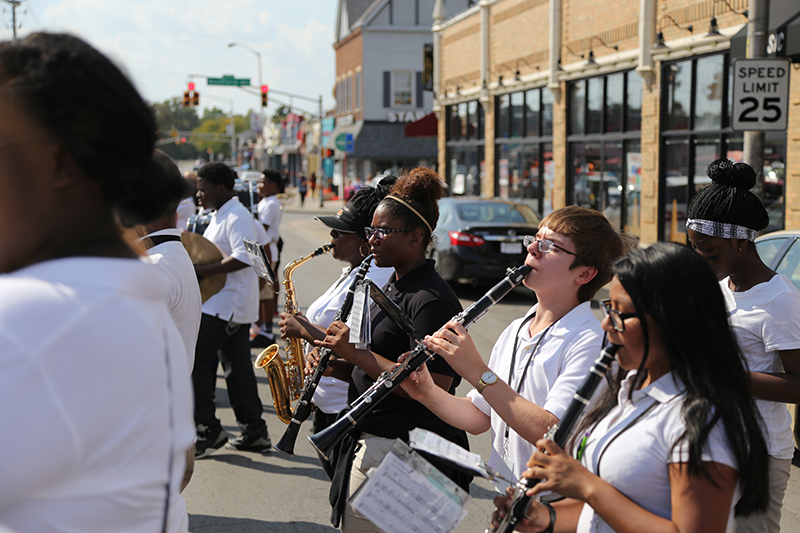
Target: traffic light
point(195, 98)
point(264, 95)
point(187, 101)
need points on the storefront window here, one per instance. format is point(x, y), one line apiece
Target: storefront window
point(678, 81)
point(524, 167)
point(466, 170)
point(465, 151)
point(604, 146)
point(708, 94)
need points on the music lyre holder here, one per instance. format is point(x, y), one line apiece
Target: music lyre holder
point(258, 260)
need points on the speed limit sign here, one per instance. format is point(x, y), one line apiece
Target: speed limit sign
point(760, 94)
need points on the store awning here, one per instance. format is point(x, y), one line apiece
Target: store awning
point(784, 32)
point(387, 140)
point(427, 126)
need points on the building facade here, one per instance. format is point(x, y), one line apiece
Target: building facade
point(619, 106)
point(380, 49)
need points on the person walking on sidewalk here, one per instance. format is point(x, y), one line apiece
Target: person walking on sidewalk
point(224, 325)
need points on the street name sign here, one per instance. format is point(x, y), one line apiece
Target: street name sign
point(760, 94)
point(230, 81)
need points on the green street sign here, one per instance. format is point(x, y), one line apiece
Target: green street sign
point(341, 142)
point(230, 81)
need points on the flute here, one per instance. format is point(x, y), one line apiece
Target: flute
point(325, 441)
point(558, 433)
point(303, 408)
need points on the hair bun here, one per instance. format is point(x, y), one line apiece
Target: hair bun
point(723, 172)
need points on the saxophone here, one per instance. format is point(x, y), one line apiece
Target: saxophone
point(286, 380)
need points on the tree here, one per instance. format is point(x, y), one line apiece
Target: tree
point(218, 126)
point(172, 119)
point(280, 114)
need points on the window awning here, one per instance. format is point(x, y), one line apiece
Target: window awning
point(384, 140)
point(354, 129)
point(784, 32)
point(427, 126)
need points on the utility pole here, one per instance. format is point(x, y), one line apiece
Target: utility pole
point(757, 29)
point(14, 4)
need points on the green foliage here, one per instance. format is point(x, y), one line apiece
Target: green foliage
point(280, 114)
point(172, 117)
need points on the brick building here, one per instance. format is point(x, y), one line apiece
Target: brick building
point(615, 105)
point(380, 88)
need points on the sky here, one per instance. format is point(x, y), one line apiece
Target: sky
point(159, 43)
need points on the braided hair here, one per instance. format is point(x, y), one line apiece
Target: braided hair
point(728, 199)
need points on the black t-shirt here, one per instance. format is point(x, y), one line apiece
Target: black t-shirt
point(430, 302)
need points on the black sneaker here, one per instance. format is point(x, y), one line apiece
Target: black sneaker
point(208, 441)
point(251, 443)
point(262, 340)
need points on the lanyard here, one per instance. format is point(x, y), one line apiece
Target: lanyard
point(524, 370)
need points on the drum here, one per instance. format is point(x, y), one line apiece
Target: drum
point(247, 192)
point(198, 223)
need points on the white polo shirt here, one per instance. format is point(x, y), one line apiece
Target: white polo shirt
point(634, 454)
point(238, 299)
point(98, 404)
point(562, 360)
point(331, 394)
point(270, 213)
point(183, 292)
point(766, 320)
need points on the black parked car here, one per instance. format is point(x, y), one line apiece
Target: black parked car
point(478, 239)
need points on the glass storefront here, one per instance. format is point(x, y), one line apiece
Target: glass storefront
point(524, 147)
point(604, 146)
point(466, 164)
point(696, 131)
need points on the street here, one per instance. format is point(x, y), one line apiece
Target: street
point(234, 491)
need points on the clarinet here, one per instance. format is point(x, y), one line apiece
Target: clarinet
point(325, 441)
point(558, 433)
point(303, 408)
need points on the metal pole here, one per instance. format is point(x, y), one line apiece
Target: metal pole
point(757, 29)
point(14, 4)
point(320, 173)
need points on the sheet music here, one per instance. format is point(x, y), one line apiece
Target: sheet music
point(429, 442)
point(359, 322)
point(408, 495)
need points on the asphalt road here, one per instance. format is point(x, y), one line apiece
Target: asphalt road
point(234, 491)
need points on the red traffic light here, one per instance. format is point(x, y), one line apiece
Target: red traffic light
point(265, 89)
point(191, 86)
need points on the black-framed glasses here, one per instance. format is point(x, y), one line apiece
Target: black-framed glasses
point(617, 318)
point(545, 245)
point(381, 233)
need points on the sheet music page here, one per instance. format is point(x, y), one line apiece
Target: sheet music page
point(410, 496)
point(429, 442)
point(359, 322)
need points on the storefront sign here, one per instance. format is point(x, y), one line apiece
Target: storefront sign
point(405, 116)
point(760, 94)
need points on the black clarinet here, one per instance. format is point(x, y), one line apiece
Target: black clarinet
point(558, 433)
point(303, 408)
point(325, 441)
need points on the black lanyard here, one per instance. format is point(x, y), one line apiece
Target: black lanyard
point(626, 428)
point(528, 362)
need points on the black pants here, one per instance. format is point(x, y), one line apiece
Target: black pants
point(229, 344)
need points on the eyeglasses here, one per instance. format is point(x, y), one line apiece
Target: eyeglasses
point(617, 319)
point(381, 233)
point(545, 245)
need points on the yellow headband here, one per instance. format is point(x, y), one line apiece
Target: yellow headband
point(422, 218)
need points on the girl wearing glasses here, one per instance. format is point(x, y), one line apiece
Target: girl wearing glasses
point(541, 358)
point(399, 235)
point(674, 441)
point(351, 247)
point(763, 309)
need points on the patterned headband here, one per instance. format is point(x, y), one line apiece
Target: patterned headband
point(720, 229)
point(422, 218)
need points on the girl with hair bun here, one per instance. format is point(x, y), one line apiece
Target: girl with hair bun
point(98, 404)
point(763, 308)
point(398, 235)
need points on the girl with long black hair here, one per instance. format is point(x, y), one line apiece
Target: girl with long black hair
point(674, 441)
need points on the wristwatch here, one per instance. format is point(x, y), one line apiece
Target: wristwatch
point(487, 378)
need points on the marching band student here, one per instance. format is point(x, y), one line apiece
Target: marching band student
point(349, 246)
point(674, 440)
point(763, 309)
point(98, 404)
point(398, 237)
point(540, 359)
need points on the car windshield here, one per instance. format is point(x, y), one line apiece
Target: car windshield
point(496, 212)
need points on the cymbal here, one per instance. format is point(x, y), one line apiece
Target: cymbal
point(202, 252)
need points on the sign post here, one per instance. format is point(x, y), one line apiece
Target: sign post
point(760, 94)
